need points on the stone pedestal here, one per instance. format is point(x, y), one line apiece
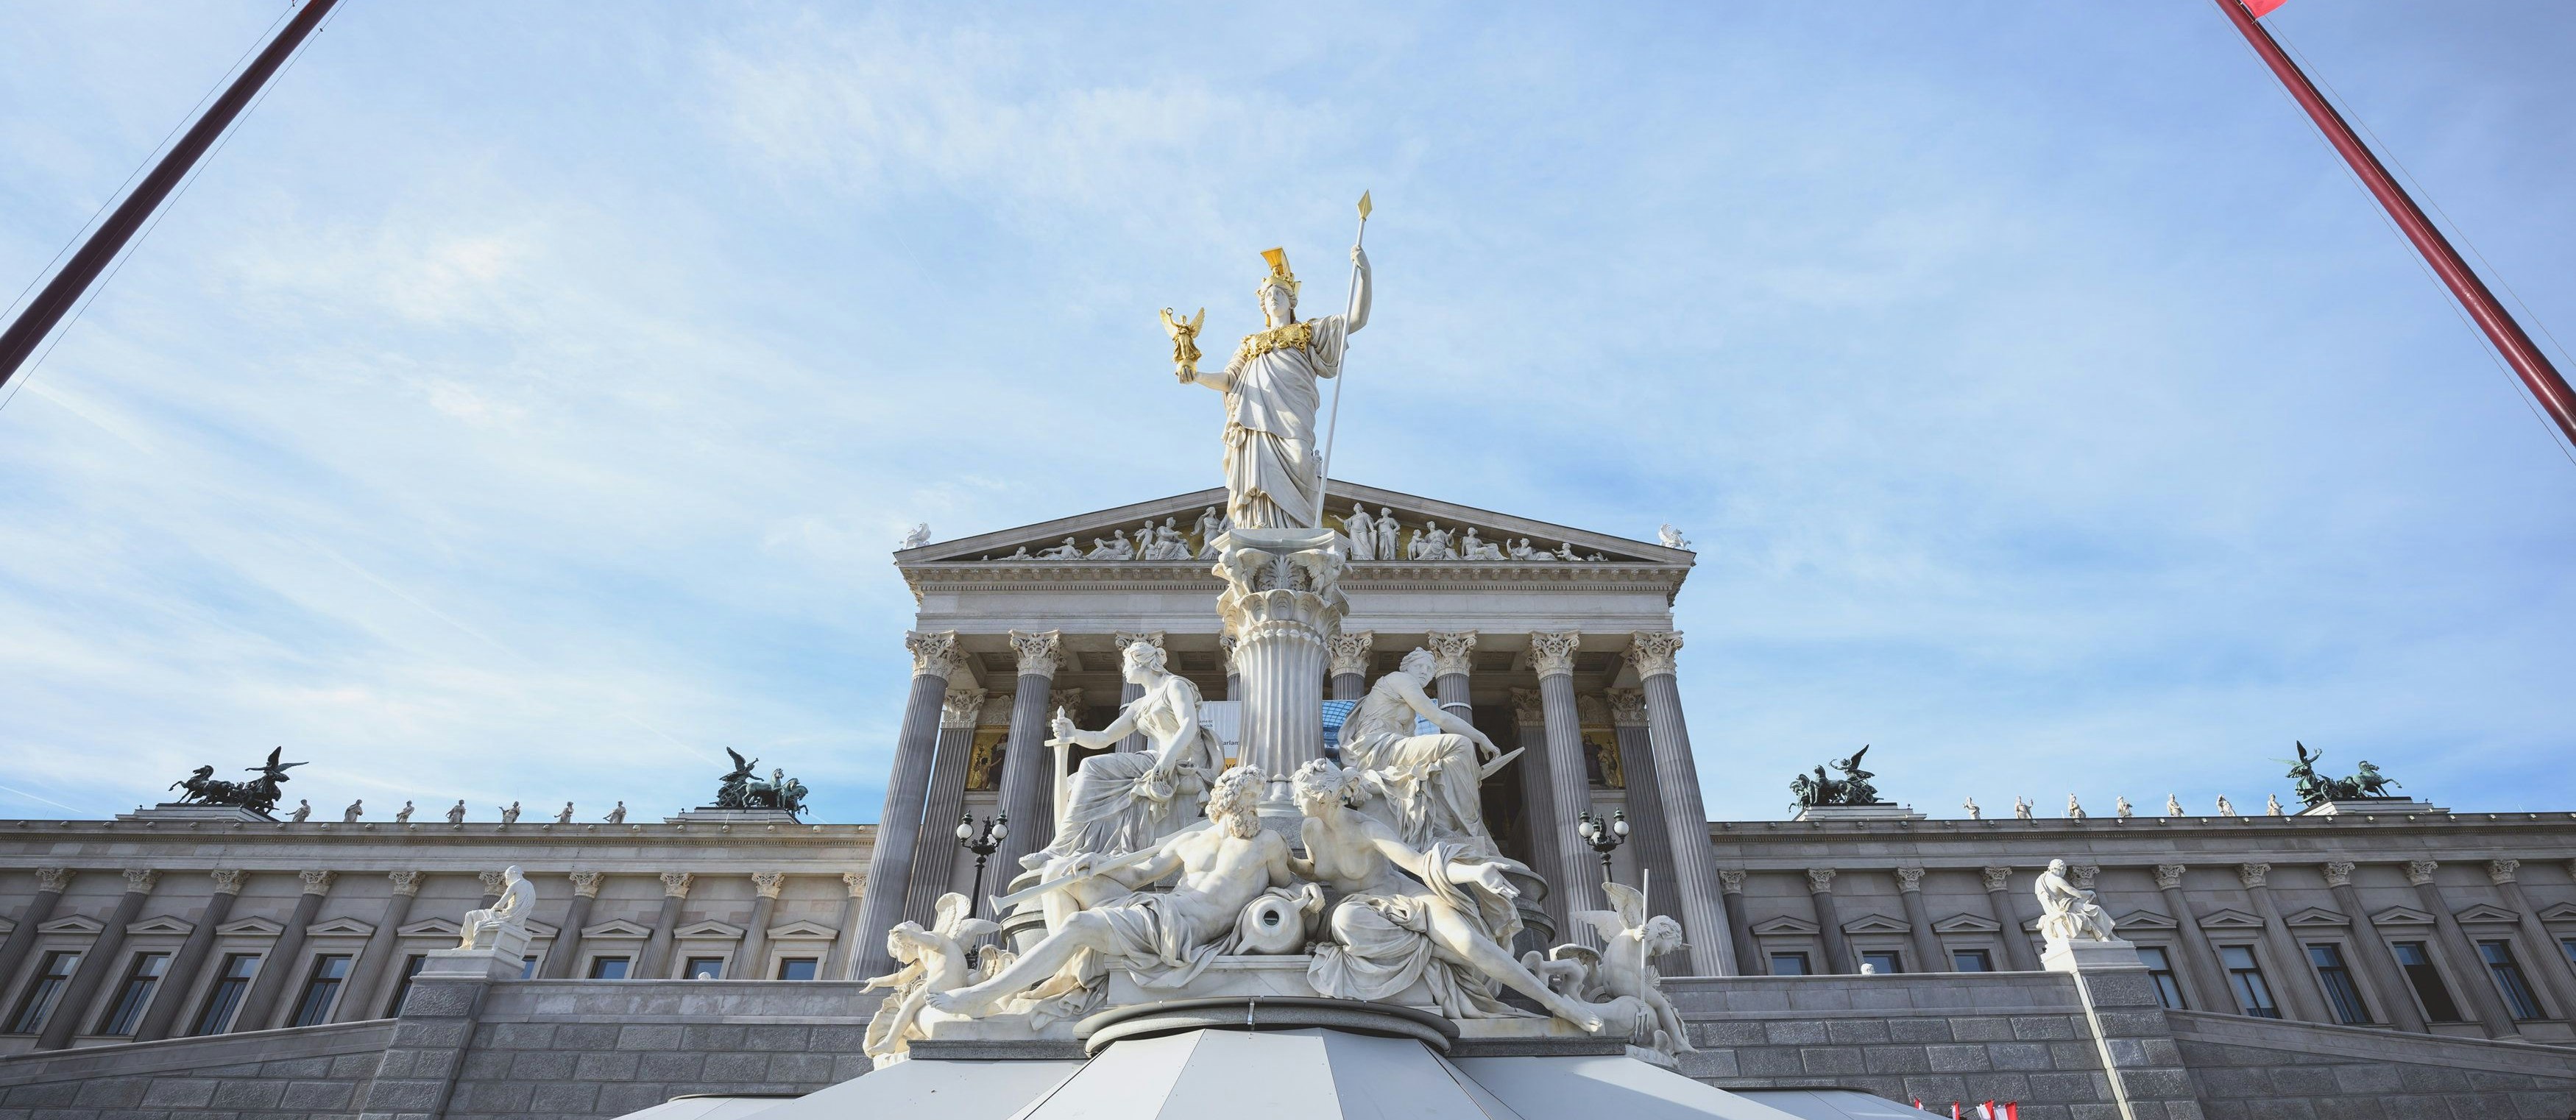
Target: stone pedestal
point(2139, 1056)
point(1883, 811)
point(2364, 806)
point(1281, 603)
point(500, 951)
point(174, 811)
point(710, 815)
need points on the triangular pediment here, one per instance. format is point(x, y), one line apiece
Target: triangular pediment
point(2317, 916)
point(616, 927)
point(803, 931)
point(73, 924)
point(2563, 912)
point(163, 924)
point(2230, 919)
point(2144, 919)
point(1875, 923)
point(1095, 535)
point(709, 929)
point(434, 927)
point(2484, 912)
point(1965, 923)
point(1786, 926)
point(339, 927)
point(250, 927)
point(2401, 916)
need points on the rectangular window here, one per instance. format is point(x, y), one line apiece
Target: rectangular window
point(705, 968)
point(2336, 979)
point(527, 968)
point(41, 996)
point(2245, 978)
point(2518, 996)
point(142, 978)
point(1788, 964)
point(2568, 945)
point(797, 968)
point(608, 968)
point(225, 997)
point(321, 990)
point(2160, 971)
point(1971, 960)
point(1882, 964)
point(2417, 962)
point(402, 988)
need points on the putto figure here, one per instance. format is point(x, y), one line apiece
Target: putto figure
point(1272, 478)
point(934, 960)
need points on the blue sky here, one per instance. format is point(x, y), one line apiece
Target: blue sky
point(523, 402)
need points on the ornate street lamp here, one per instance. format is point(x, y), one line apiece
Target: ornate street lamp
point(983, 841)
point(1605, 836)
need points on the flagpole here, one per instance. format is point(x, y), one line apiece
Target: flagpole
point(1333, 428)
point(19, 342)
point(2528, 363)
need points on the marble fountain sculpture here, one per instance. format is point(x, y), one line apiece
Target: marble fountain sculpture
point(1274, 932)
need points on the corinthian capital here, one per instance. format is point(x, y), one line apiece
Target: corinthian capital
point(2420, 871)
point(1527, 708)
point(768, 883)
point(1652, 652)
point(405, 882)
point(675, 884)
point(1225, 645)
point(1068, 700)
point(857, 883)
point(1040, 651)
point(55, 879)
point(934, 653)
point(1449, 652)
point(1997, 877)
point(2169, 876)
point(317, 881)
point(2083, 874)
point(1730, 880)
point(2500, 871)
point(2338, 874)
point(2252, 874)
point(1627, 706)
point(1552, 653)
point(1820, 880)
point(586, 883)
point(962, 707)
point(1123, 639)
point(1350, 651)
point(1909, 879)
point(139, 880)
point(227, 880)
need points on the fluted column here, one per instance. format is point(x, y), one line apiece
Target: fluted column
point(934, 659)
point(656, 964)
point(1829, 921)
point(2008, 920)
point(566, 950)
point(1028, 764)
point(2377, 958)
point(358, 996)
point(836, 963)
point(936, 856)
point(97, 963)
point(2300, 985)
point(1282, 597)
point(1539, 826)
point(1569, 784)
point(1739, 933)
point(1451, 657)
point(1650, 838)
point(259, 1007)
point(1918, 922)
point(1129, 691)
point(2554, 967)
point(1653, 654)
point(765, 886)
point(2200, 964)
point(181, 977)
point(50, 882)
point(1350, 658)
point(2462, 953)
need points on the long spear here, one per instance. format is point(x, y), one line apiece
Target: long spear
point(2527, 360)
point(1323, 473)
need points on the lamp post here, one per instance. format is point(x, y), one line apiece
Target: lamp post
point(983, 841)
point(1605, 836)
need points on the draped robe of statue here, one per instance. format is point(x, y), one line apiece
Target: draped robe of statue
point(1271, 389)
point(1428, 784)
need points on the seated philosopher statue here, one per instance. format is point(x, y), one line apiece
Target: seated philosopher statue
point(518, 897)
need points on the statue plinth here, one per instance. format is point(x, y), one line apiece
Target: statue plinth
point(499, 952)
point(709, 814)
point(1282, 600)
point(198, 811)
point(1880, 811)
point(2366, 806)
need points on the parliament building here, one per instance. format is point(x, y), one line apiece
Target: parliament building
point(2359, 959)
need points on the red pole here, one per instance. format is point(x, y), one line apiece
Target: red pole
point(2526, 359)
point(19, 342)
